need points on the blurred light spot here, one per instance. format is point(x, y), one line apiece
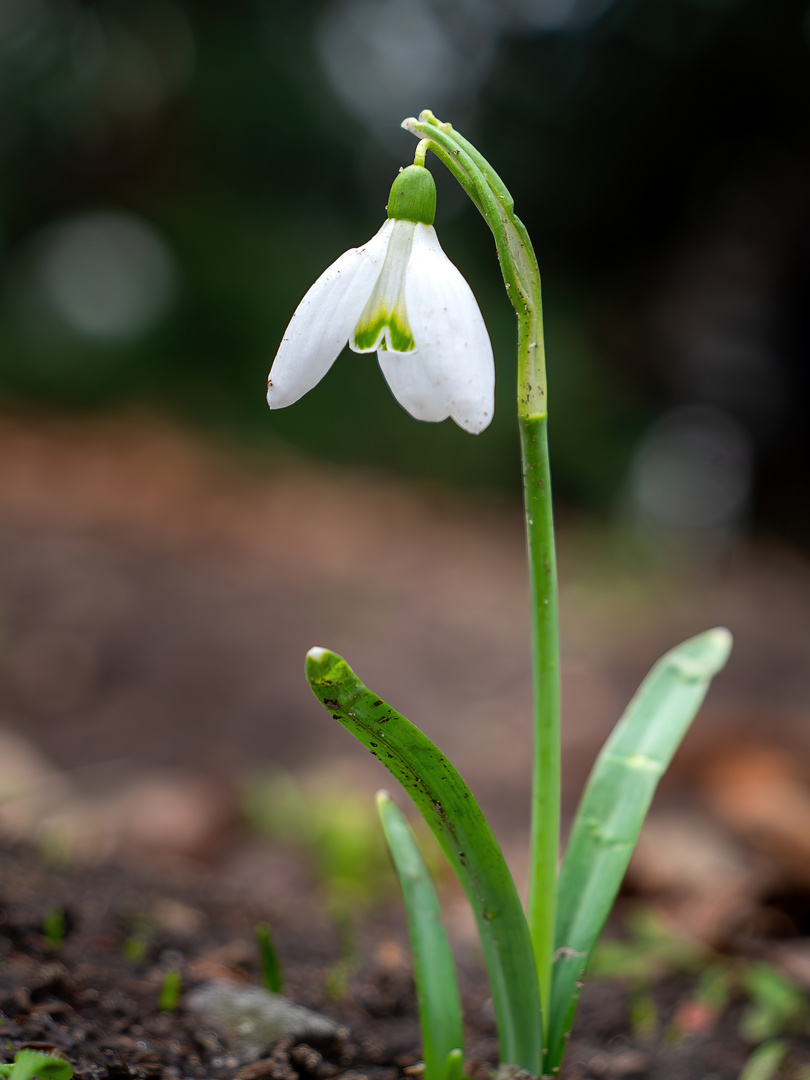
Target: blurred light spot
point(385, 59)
point(107, 275)
point(717, 319)
point(20, 22)
point(553, 15)
point(88, 51)
point(692, 471)
point(30, 43)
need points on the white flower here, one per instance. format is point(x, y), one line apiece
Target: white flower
point(400, 296)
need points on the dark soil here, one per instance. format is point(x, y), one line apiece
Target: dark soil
point(93, 997)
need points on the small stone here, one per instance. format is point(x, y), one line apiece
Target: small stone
point(177, 917)
point(513, 1072)
point(257, 1070)
point(620, 1063)
point(249, 1019)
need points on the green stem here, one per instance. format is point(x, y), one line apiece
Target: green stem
point(522, 280)
point(545, 835)
point(421, 152)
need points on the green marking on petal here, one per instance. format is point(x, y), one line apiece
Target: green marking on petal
point(383, 322)
point(399, 337)
point(379, 327)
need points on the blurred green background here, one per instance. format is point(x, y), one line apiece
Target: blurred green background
point(173, 177)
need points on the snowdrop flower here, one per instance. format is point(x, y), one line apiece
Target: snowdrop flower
point(398, 295)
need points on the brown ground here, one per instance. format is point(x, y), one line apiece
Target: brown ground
point(91, 1002)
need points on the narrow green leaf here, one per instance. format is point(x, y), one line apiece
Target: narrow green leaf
point(446, 803)
point(763, 1063)
point(53, 927)
point(170, 991)
point(434, 969)
point(271, 967)
point(613, 807)
point(454, 1065)
point(776, 1003)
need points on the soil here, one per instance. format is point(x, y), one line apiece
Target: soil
point(93, 996)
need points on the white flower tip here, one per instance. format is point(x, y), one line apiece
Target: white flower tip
point(277, 398)
point(408, 123)
point(316, 653)
point(474, 425)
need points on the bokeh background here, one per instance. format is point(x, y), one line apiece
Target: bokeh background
point(173, 176)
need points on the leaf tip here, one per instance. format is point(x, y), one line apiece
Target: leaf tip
point(717, 644)
point(724, 638)
point(319, 663)
point(702, 656)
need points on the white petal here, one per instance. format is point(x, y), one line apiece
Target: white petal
point(411, 384)
point(324, 319)
point(452, 372)
point(384, 318)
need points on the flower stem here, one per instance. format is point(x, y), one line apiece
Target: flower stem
point(522, 281)
point(545, 651)
point(421, 152)
point(545, 832)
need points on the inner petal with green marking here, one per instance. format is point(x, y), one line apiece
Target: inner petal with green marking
point(383, 323)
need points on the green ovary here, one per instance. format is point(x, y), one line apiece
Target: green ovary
point(383, 323)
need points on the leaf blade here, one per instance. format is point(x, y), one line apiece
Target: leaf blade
point(434, 969)
point(765, 1061)
point(456, 820)
point(268, 957)
point(613, 807)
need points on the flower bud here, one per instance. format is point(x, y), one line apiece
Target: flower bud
point(413, 196)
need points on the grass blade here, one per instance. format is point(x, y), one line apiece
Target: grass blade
point(454, 1065)
point(170, 991)
point(764, 1062)
point(446, 803)
point(271, 965)
point(434, 969)
point(613, 807)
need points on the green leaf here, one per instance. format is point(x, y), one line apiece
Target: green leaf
point(714, 987)
point(434, 969)
point(764, 1062)
point(454, 1065)
point(32, 1063)
point(613, 807)
point(271, 967)
point(170, 991)
point(446, 803)
point(53, 927)
point(776, 1004)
